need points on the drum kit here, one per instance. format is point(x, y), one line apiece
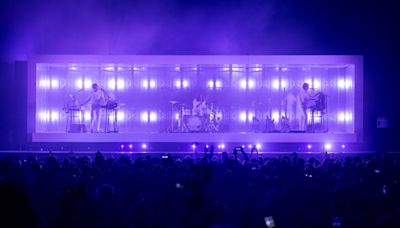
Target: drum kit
point(208, 119)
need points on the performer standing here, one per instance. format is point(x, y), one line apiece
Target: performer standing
point(97, 98)
point(302, 99)
point(198, 106)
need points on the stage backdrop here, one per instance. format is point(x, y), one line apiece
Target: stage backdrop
point(244, 94)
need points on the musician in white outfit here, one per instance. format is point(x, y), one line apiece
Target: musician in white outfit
point(199, 105)
point(303, 97)
point(97, 98)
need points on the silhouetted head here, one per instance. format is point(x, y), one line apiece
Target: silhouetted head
point(306, 86)
point(95, 87)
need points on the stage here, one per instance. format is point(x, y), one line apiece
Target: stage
point(149, 101)
point(195, 137)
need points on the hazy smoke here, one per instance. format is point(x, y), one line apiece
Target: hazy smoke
point(151, 27)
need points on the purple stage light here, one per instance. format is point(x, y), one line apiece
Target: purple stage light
point(251, 83)
point(182, 84)
point(243, 84)
point(54, 83)
point(152, 84)
point(144, 146)
point(144, 117)
point(109, 68)
point(111, 84)
point(218, 84)
point(210, 84)
point(145, 84)
point(44, 83)
point(78, 83)
point(309, 146)
point(120, 84)
point(243, 116)
point(122, 146)
point(86, 115)
point(130, 146)
point(275, 84)
point(54, 115)
point(284, 84)
point(73, 68)
point(327, 146)
point(121, 116)
point(193, 146)
point(87, 83)
point(258, 146)
point(185, 83)
point(178, 84)
point(44, 116)
point(344, 83)
point(247, 83)
point(275, 116)
point(250, 116)
point(343, 146)
point(344, 117)
point(153, 116)
point(316, 84)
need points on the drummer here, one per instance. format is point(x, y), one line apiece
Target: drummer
point(199, 105)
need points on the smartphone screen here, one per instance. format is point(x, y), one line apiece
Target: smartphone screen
point(269, 221)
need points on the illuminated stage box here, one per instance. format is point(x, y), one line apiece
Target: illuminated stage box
point(247, 98)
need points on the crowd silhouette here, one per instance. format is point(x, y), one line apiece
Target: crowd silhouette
point(207, 190)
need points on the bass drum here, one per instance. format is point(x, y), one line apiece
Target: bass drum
point(193, 123)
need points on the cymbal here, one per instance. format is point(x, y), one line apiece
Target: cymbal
point(184, 105)
point(173, 102)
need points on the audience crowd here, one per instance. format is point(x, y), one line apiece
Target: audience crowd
point(199, 190)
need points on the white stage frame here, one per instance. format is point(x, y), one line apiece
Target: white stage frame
point(357, 136)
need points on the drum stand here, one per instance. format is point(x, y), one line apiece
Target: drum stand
point(176, 123)
point(212, 125)
point(182, 126)
point(74, 120)
point(318, 113)
point(110, 112)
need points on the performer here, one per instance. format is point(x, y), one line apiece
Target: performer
point(302, 99)
point(290, 102)
point(97, 98)
point(198, 106)
point(303, 102)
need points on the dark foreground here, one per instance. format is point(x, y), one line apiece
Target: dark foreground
point(117, 190)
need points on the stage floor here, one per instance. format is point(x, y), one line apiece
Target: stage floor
point(195, 137)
